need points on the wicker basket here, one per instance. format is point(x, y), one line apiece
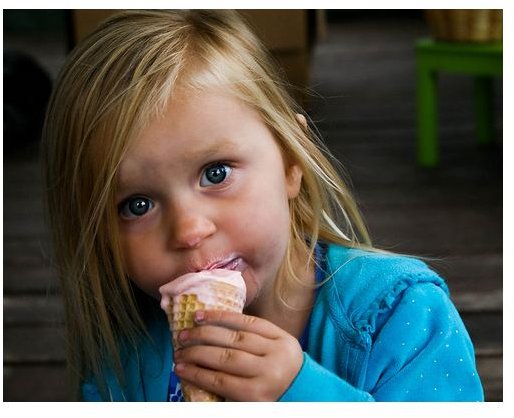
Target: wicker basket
point(466, 25)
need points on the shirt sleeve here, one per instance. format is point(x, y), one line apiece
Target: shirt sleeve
point(314, 383)
point(421, 352)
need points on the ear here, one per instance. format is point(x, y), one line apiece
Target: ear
point(301, 119)
point(293, 180)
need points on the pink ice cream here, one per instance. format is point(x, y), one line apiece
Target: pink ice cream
point(203, 285)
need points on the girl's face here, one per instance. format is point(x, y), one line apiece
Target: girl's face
point(205, 186)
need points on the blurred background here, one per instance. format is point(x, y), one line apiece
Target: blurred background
point(382, 87)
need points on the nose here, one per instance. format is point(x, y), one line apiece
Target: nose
point(190, 227)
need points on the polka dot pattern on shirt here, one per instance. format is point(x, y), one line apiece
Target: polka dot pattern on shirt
point(430, 340)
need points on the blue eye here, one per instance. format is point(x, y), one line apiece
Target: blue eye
point(215, 174)
point(135, 207)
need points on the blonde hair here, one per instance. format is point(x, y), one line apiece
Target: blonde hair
point(112, 85)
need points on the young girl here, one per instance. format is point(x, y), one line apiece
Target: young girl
point(172, 146)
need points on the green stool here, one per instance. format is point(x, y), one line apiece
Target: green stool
point(483, 61)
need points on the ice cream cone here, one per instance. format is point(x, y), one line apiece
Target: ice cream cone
point(219, 289)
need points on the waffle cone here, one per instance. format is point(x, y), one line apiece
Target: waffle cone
point(215, 295)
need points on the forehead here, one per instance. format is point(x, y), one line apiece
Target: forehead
point(191, 112)
point(200, 117)
point(192, 126)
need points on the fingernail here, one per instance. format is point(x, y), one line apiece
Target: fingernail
point(179, 367)
point(183, 335)
point(199, 316)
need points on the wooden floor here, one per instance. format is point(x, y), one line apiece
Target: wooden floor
point(365, 109)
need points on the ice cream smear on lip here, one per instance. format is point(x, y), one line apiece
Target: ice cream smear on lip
point(217, 289)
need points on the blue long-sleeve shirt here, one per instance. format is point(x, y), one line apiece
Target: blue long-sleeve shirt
point(382, 328)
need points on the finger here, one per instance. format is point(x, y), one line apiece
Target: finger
point(224, 337)
point(227, 360)
point(220, 383)
point(239, 321)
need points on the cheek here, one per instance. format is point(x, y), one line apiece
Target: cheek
point(266, 238)
point(265, 216)
point(263, 230)
point(143, 264)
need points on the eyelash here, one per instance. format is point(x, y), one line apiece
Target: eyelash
point(124, 207)
point(227, 172)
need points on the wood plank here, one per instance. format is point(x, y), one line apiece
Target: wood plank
point(436, 231)
point(23, 205)
point(490, 370)
point(485, 329)
point(27, 224)
point(33, 310)
point(490, 301)
point(27, 266)
point(476, 273)
point(36, 383)
point(34, 344)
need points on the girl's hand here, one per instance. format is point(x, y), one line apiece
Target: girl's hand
point(239, 357)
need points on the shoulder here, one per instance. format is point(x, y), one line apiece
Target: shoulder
point(361, 285)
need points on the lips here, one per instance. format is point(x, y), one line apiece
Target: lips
point(234, 263)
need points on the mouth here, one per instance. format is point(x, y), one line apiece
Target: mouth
point(234, 263)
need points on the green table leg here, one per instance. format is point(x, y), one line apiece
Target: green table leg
point(482, 61)
point(483, 93)
point(427, 116)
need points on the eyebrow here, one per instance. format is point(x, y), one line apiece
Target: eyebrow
point(212, 149)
